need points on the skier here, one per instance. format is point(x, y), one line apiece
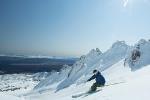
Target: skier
point(100, 80)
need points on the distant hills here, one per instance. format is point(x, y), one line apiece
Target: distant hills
point(32, 64)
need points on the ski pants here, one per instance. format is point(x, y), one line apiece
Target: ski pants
point(95, 85)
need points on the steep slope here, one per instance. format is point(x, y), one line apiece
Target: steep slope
point(54, 77)
point(57, 77)
point(117, 67)
point(81, 70)
point(135, 86)
point(95, 60)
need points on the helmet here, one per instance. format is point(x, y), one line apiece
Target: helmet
point(95, 71)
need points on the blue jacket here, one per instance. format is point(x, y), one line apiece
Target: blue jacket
point(99, 78)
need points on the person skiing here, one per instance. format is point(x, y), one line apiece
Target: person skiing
point(100, 80)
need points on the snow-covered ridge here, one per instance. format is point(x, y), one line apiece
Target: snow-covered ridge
point(95, 59)
point(81, 70)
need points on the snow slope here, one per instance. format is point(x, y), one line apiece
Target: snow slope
point(14, 85)
point(82, 69)
point(9, 97)
point(111, 64)
point(135, 87)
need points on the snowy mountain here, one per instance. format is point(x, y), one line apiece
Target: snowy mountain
point(121, 65)
point(95, 59)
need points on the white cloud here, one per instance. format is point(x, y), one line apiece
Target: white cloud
point(125, 3)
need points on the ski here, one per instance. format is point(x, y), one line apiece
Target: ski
point(89, 92)
point(85, 93)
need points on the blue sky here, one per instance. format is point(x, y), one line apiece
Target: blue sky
point(70, 27)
